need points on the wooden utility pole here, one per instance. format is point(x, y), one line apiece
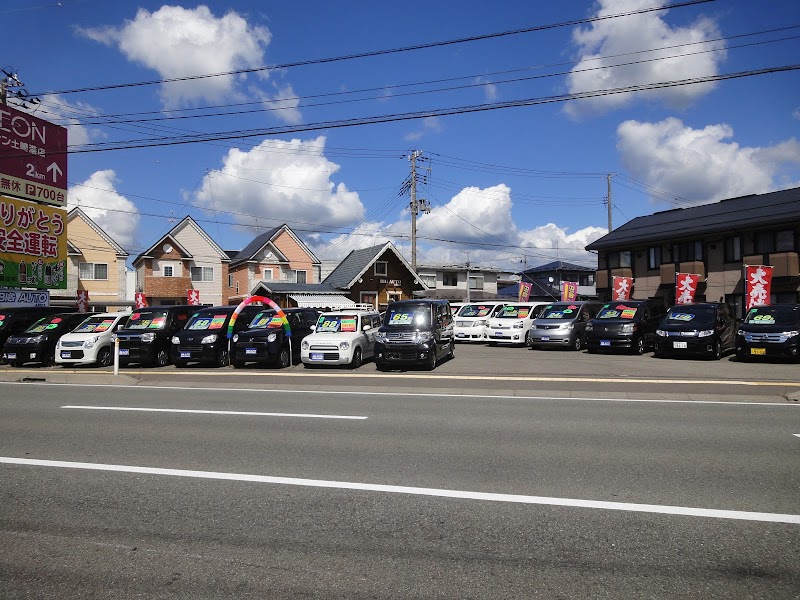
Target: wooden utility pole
point(608, 200)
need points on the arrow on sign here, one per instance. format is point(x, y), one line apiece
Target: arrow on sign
point(54, 167)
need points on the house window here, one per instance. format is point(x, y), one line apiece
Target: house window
point(202, 273)
point(449, 279)
point(774, 241)
point(266, 274)
point(476, 282)
point(230, 279)
point(618, 260)
point(784, 241)
point(654, 257)
point(168, 270)
point(733, 249)
point(687, 251)
point(300, 276)
point(93, 271)
point(429, 279)
point(381, 267)
point(237, 287)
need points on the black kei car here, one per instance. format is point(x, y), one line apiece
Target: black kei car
point(204, 339)
point(16, 319)
point(769, 331)
point(703, 328)
point(146, 337)
point(265, 340)
point(37, 344)
point(625, 324)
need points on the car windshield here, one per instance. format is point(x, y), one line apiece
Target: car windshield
point(4, 318)
point(560, 311)
point(337, 323)
point(513, 311)
point(476, 310)
point(95, 325)
point(769, 315)
point(617, 311)
point(267, 319)
point(44, 324)
point(207, 320)
point(418, 316)
point(151, 319)
point(688, 313)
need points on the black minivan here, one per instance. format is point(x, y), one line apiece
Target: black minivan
point(204, 339)
point(769, 331)
point(264, 340)
point(702, 328)
point(625, 324)
point(38, 342)
point(16, 319)
point(415, 332)
point(146, 337)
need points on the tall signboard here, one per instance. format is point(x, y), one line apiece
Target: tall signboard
point(33, 197)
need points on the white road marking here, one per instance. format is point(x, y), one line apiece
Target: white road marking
point(217, 412)
point(442, 493)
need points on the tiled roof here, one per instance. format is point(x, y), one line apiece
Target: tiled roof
point(353, 264)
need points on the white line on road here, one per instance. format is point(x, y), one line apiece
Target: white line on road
point(217, 412)
point(442, 493)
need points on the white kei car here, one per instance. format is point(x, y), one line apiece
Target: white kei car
point(90, 342)
point(472, 320)
point(342, 337)
point(510, 324)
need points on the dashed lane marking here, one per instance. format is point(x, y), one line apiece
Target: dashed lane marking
point(215, 412)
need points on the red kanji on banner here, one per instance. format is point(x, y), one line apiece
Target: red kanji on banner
point(82, 300)
point(758, 285)
point(685, 287)
point(141, 300)
point(193, 297)
point(621, 288)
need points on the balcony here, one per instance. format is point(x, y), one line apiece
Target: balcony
point(695, 266)
point(167, 286)
point(785, 264)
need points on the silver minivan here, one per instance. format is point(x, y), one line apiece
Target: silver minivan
point(562, 324)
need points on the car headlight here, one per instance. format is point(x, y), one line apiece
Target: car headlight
point(305, 345)
point(272, 337)
point(91, 341)
point(148, 337)
point(235, 337)
point(740, 332)
point(661, 333)
point(533, 327)
point(344, 345)
point(113, 337)
point(705, 333)
point(519, 325)
point(380, 336)
point(423, 336)
point(38, 339)
point(175, 340)
point(628, 328)
point(209, 339)
point(566, 326)
point(791, 333)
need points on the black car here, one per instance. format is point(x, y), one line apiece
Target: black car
point(769, 331)
point(146, 337)
point(16, 319)
point(204, 339)
point(37, 343)
point(265, 341)
point(415, 332)
point(625, 324)
point(703, 328)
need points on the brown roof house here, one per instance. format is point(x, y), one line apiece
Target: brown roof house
point(185, 258)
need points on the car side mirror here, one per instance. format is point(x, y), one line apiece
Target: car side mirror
point(366, 327)
point(314, 327)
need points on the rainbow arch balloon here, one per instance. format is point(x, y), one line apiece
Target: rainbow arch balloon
point(264, 300)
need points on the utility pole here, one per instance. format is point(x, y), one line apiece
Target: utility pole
point(608, 200)
point(468, 292)
point(416, 205)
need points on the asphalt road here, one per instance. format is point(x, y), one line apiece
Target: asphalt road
point(228, 492)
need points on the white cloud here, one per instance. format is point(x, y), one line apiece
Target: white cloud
point(429, 125)
point(179, 42)
point(55, 109)
point(363, 236)
point(281, 181)
point(635, 33)
point(703, 165)
point(282, 104)
point(490, 91)
point(114, 213)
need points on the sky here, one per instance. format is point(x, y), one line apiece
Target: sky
point(249, 114)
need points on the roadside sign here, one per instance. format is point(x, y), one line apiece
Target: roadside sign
point(9, 298)
point(33, 158)
point(33, 245)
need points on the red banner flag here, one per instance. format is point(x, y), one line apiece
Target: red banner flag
point(82, 300)
point(685, 287)
point(193, 297)
point(621, 288)
point(569, 291)
point(141, 300)
point(524, 291)
point(758, 285)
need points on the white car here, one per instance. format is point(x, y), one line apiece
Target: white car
point(511, 324)
point(471, 321)
point(342, 337)
point(90, 342)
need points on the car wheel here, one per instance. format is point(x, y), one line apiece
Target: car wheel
point(452, 354)
point(577, 343)
point(162, 359)
point(638, 347)
point(432, 360)
point(104, 357)
point(717, 351)
point(356, 361)
point(223, 358)
point(283, 358)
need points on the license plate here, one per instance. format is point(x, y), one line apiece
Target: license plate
point(498, 334)
point(249, 350)
point(759, 351)
point(605, 343)
point(124, 352)
point(680, 345)
point(317, 356)
point(545, 338)
point(185, 354)
point(461, 335)
point(11, 355)
point(66, 354)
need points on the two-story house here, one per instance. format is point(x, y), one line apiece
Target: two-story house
point(458, 282)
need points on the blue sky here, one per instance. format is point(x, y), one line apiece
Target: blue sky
point(507, 187)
